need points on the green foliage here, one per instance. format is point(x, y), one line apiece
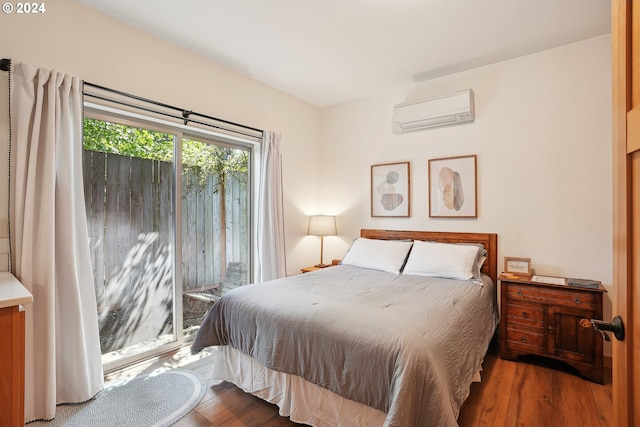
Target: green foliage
point(124, 140)
point(204, 159)
point(198, 158)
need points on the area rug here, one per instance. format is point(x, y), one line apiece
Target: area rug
point(153, 400)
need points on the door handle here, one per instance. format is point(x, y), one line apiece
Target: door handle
point(616, 326)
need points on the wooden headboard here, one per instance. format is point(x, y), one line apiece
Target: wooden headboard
point(488, 240)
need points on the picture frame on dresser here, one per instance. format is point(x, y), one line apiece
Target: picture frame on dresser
point(453, 187)
point(514, 265)
point(391, 190)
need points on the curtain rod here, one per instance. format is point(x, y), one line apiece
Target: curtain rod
point(182, 117)
point(186, 114)
point(5, 65)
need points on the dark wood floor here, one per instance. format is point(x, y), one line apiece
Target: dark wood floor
point(534, 393)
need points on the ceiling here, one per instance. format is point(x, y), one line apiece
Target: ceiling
point(331, 51)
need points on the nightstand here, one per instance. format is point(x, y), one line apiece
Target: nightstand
point(544, 319)
point(308, 269)
point(314, 268)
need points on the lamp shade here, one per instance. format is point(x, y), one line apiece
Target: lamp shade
point(322, 225)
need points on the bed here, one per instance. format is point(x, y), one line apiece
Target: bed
point(393, 336)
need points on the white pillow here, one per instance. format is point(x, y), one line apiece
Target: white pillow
point(451, 261)
point(385, 255)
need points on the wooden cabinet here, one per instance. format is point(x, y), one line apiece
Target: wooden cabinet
point(11, 366)
point(544, 319)
point(12, 350)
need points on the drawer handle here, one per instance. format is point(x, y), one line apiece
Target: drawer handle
point(577, 300)
point(523, 339)
point(525, 314)
point(519, 293)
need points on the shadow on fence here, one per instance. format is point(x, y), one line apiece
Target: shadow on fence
point(137, 303)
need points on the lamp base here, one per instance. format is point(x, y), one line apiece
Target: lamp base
point(322, 265)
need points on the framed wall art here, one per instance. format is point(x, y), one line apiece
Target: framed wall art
point(390, 190)
point(453, 187)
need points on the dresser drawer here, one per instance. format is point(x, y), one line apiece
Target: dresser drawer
point(550, 296)
point(526, 339)
point(522, 313)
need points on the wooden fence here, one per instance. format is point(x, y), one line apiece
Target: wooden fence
point(215, 230)
point(130, 219)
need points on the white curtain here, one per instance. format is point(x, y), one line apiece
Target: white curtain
point(271, 244)
point(49, 240)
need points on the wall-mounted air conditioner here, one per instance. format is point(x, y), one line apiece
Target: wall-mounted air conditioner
point(448, 110)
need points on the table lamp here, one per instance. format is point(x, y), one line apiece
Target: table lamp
point(322, 225)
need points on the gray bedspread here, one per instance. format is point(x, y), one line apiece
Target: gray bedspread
point(406, 345)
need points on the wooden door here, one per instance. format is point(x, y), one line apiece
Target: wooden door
point(625, 37)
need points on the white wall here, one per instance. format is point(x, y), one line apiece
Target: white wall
point(74, 39)
point(542, 135)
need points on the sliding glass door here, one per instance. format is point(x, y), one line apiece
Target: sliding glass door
point(169, 220)
point(215, 224)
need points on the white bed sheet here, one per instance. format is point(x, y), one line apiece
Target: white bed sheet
point(297, 398)
point(300, 400)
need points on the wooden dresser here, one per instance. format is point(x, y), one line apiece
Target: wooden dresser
point(12, 296)
point(544, 319)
